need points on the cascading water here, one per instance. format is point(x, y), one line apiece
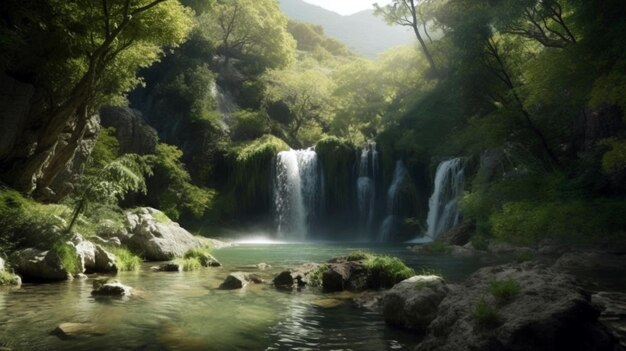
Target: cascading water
point(392, 220)
point(443, 209)
point(296, 192)
point(366, 189)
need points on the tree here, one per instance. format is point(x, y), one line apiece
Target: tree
point(307, 96)
point(408, 13)
point(251, 27)
point(78, 54)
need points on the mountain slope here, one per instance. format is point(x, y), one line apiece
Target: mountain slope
point(362, 32)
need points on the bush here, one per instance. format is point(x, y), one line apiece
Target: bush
point(388, 271)
point(359, 255)
point(486, 314)
point(504, 290)
point(249, 125)
point(126, 261)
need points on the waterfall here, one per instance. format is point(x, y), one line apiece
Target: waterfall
point(296, 192)
point(443, 210)
point(366, 189)
point(392, 220)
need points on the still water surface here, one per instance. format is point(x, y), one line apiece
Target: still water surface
point(186, 311)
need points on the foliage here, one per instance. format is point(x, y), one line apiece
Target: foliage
point(68, 256)
point(126, 261)
point(334, 154)
point(486, 314)
point(388, 270)
point(359, 255)
point(504, 290)
point(7, 278)
point(249, 125)
point(315, 277)
point(189, 264)
point(614, 160)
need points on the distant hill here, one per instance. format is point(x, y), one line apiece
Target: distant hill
point(362, 32)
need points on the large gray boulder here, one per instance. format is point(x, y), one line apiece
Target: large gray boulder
point(413, 303)
point(93, 258)
point(37, 264)
point(235, 280)
point(549, 311)
point(157, 238)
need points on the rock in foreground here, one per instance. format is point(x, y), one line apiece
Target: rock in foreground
point(157, 237)
point(110, 288)
point(39, 265)
point(68, 330)
point(546, 310)
point(413, 303)
point(238, 280)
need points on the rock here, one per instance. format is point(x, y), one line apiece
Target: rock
point(66, 330)
point(284, 280)
point(613, 315)
point(462, 251)
point(112, 241)
point(105, 262)
point(110, 288)
point(501, 248)
point(263, 266)
point(15, 102)
point(336, 277)
point(548, 312)
point(327, 303)
point(37, 264)
point(156, 237)
point(590, 261)
point(459, 235)
point(207, 260)
point(10, 279)
point(1, 265)
point(168, 267)
point(413, 303)
point(372, 300)
point(236, 280)
point(80, 276)
point(131, 130)
point(86, 252)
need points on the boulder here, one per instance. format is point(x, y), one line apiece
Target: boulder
point(336, 277)
point(459, 235)
point(284, 280)
point(613, 315)
point(590, 261)
point(238, 280)
point(207, 260)
point(40, 265)
point(502, 248)
point(549, 311)
point(112, 241)
point(156, 237)
point(105, 262)
point(110, 288)
point(263, 266)
point(413, 303)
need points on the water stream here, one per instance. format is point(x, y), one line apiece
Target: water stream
point(392, 219)
point(443, 208)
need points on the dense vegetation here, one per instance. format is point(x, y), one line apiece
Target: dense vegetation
point(530, 93)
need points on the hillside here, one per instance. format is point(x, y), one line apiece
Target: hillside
point(362, 32)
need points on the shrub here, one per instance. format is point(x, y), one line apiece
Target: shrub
point(249, 125)
point(504, 290)
point(126, 261)
point(315, 277)
point(202, 255)
point(388, 270)
point(486, 314)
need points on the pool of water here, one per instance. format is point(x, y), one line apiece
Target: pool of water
point(186, 311)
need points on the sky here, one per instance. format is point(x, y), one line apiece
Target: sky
point(347, 7)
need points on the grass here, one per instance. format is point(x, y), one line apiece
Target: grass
point(68, 256)
point(504, 290)
point(7, 278)
point(315, 277)
point(202, 255)
point(430, 271)
point(126, 261)
point(389, 270)
point(486, 314)
point(189, 264)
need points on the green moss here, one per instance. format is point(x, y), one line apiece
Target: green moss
point(426, 284)
point(486, 314)
point(126, 261)
point(315, 277)
point(162, 218)
point(388, 271)
point(335, 154)
point(7, 278)
point(359, 255)
point(68, 256)
point(504, 290)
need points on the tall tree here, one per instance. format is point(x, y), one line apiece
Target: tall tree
point(78, 55)
point(408, 13)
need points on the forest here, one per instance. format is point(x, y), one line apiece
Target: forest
point(137, 131)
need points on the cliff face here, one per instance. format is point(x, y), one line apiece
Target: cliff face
point(132, 132)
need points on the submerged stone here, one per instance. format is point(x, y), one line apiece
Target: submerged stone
point(65, 330)
point(110, 288)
